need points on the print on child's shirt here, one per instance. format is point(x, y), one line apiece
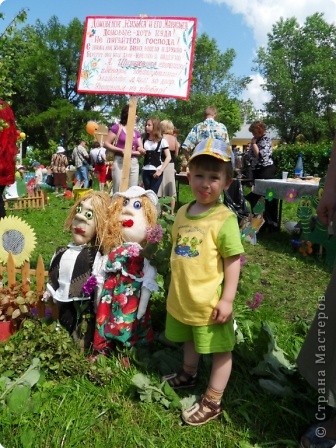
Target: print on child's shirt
point(187, 246)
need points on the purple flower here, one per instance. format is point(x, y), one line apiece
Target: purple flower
point(89, 285)
point(34, 312)
point(257, 299)
point(133, 250)
point(154, 234)
point(48, 313)
point(243, 260)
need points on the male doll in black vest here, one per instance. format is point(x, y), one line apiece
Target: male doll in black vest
point(74, 269)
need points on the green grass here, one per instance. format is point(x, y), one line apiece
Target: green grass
point(84, 405)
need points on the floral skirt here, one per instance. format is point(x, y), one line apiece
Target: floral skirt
point(116, 318)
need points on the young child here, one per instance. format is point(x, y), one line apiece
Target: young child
point(38, 175)
point(205, 267)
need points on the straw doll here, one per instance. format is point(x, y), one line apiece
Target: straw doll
point(123, 316)
point(74, 269)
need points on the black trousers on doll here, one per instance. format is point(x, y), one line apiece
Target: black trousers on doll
point(78, 318)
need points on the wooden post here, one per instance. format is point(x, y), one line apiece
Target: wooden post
point(40, 280)
point(11, 270)
point(128, 145)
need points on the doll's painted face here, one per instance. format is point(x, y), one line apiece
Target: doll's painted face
point(83, 227)
point(133, 220)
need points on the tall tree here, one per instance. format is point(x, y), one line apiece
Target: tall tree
point(45, 98)
point(7, 55)
point(299, 66)
point(212, 83)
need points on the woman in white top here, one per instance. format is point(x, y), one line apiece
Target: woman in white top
point(168, 185)
point(154, 146)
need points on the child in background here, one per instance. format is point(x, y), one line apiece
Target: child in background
point(20, 172)
point(205, 267)
point(38, 175)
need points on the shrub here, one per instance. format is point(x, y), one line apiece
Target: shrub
point(315, 158)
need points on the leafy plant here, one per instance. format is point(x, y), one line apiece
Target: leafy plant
point(16, 303)
point(159, 253)
point(149, 392)
point(16, 393)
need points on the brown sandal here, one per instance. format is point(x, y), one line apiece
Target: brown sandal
point(201, 412)
point(180, 380)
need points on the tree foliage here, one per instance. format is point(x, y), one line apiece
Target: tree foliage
point(212, 84)
point(7, 55)
point(299, 66)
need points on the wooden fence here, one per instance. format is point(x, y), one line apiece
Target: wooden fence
point(38, 200)
point(29, 277)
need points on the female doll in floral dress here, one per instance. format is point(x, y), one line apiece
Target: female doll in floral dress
point(123, 316)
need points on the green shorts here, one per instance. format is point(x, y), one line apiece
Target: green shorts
point(217, 338)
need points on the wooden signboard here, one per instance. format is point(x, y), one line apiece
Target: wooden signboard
point(147, 56)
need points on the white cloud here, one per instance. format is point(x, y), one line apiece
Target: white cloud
point(255, 93)
point(261, 15)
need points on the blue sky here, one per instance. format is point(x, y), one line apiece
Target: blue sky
point(238, 24)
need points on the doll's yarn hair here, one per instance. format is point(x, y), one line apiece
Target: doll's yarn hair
point(114, 231)
point(100, 202)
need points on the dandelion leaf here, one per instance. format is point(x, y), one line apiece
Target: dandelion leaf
point(141, 381)
point(18, 399)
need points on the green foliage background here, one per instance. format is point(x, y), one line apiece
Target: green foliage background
point(315, 158)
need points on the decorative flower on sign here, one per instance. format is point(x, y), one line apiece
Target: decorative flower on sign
point(291, 195)
point(270, 194)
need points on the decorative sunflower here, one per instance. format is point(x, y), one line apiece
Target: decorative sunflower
point(18, 237)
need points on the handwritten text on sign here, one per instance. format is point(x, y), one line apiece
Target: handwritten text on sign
point(140, 56)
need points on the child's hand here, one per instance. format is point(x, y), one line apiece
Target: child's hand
point(222, 312)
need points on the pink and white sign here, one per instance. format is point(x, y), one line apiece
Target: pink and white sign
point(138, 56)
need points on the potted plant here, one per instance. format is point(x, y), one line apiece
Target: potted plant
point(15, 305)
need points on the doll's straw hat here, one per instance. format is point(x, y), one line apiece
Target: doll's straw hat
point(138, 192)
